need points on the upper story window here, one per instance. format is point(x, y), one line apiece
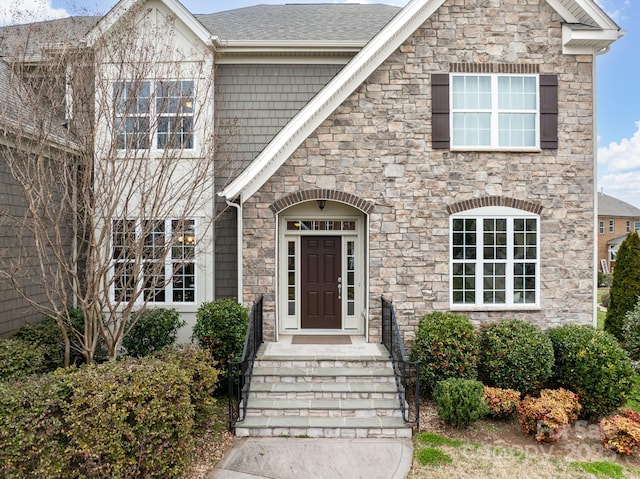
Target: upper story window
point(612, 226)
point(494, 111)
point(154, 114)
point(636, 226)
point(495, 259)
point(602, 227)
point(628, 226)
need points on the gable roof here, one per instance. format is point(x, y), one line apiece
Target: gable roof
point(121, 8)
point(603, 31)
point(610, 206)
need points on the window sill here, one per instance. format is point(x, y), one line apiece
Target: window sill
point(493, 307)
point(494, 149)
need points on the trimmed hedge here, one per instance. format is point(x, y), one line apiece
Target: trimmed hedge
point(592, 364)
point(447, 346)
point(128, 418)
point(46, 336)
point(203, 376)
point(460, 401)
point(516, 355)
point(221, 328)
point(151, 330)
point(19, 359)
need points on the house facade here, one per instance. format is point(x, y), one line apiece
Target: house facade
point(440, 155)
point(616, 219)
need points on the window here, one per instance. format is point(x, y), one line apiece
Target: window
point(494, 111)
point(156, 257)
point(636, 226)
point(485, 111)
point(602, 227)
point(495, 259)
point(154, 114)
point(612, 226)
point(628, 226)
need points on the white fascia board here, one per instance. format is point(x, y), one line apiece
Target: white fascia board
point(597, 16)
point(582, 41)
point(123, 6)
point(407, 21)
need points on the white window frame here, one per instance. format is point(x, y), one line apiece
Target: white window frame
point(612, 226)
point(155, 115)
point(628, 226)
point(171, 264)
point(480, 214)
point(601, 227)
point(494, 111)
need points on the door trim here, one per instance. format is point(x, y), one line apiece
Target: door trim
point(288, 299)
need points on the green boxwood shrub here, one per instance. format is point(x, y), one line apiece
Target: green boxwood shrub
point(221, 328)
point(203, 375)
point(46, 336)
point(32, 438)
point(151, 330)
point(592, 364)
point(19, 358)
point(131, 418)
point(460, 401)
point(447, 346)
point(515, 355)
point(631, 332)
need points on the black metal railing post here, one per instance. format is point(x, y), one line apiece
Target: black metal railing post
point(240, 372)
point(392, 340)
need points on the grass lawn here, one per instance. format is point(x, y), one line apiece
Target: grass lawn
point(601, 314)
point(436, 456)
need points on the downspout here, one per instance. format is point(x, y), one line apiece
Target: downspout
point(595, 188)
point(238, 207)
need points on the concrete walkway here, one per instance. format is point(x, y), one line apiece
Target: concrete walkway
point(295, 458)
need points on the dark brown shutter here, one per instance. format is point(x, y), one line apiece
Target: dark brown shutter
point(440, 111)
point(549, 111)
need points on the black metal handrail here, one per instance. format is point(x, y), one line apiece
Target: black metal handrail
point(405, 371)
point(239, 372)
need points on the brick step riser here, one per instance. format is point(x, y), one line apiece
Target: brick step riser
point(325, 432)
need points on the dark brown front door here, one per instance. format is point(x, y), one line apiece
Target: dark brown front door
point(321, 272)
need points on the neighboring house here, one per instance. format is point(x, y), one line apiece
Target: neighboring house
point(18, 256)
point(616, 219)
point(441, 155)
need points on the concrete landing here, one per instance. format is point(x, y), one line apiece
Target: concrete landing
point(295, 458)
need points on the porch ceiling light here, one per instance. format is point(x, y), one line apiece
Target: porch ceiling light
point(321, 204)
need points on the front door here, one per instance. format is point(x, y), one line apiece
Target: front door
point(321, 282)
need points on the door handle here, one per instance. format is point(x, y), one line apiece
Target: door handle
point(339, 287)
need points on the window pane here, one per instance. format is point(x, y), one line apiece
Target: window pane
point(471, 129)
point(517, 129)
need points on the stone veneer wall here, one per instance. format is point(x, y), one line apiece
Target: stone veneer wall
point(377, 146)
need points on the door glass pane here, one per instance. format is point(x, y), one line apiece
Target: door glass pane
point(351, 278)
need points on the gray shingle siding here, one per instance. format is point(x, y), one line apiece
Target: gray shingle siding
point(260, 99)
point(15, 311)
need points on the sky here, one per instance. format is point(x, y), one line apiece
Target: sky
point(617, 80)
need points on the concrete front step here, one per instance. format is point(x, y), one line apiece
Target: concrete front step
point(346, 427)
point(322, 374)
point(324, 407)
point(323, 390)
